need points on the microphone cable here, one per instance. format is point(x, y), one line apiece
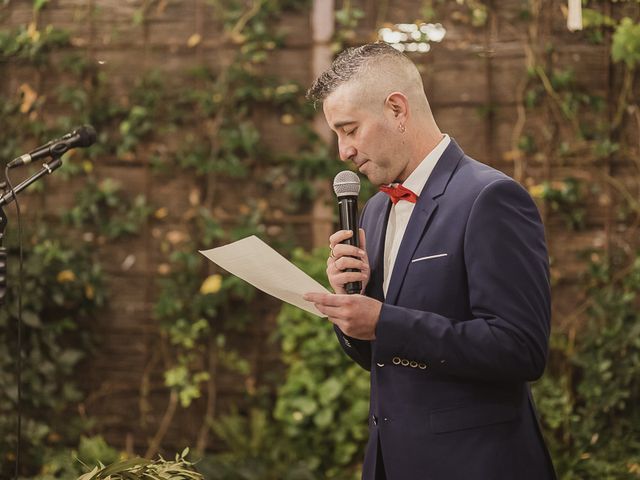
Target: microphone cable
point(20, 287)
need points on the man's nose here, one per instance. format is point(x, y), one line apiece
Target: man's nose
point(347, 152)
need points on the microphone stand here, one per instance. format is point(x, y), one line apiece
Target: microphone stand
point(3, 251)
point(7, 198)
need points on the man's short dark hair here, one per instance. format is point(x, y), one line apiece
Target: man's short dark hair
point(346, 65)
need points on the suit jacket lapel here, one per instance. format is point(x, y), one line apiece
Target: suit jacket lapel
point(376, 232)
point(425, 208)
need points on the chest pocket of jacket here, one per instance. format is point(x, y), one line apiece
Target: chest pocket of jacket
point(430, 277)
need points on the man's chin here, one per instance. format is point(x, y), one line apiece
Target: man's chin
point(373, 179)
point(376, 180)
point(371, 175)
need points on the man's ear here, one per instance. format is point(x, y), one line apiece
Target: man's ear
point(398, 105)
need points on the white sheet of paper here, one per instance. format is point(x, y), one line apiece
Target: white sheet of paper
point(260, 265)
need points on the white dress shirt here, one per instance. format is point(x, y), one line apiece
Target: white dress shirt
point(401, 211)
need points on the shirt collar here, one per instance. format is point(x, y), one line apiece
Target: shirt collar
point(418, 178)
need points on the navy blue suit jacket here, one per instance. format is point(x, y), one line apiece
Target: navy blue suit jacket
point(463, 328)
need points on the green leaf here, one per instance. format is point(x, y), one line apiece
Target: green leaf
point(31, 319)
point(329, 390)
point(39, 4)
point(626, 43)
point(89, 475)
point(122, 466)
point(323, 418)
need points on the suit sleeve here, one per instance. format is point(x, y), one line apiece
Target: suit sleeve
point(506, 262)
point(358, 350)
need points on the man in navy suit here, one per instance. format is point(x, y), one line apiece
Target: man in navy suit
point(454, 316)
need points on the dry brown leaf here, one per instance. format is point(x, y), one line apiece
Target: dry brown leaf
point(29, 97)
point(194, 40)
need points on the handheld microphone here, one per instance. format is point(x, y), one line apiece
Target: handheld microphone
point(346, 184)
point(83, 136)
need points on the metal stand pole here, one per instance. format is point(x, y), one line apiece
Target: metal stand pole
point(3, 258)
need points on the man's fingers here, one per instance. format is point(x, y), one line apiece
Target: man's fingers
point(339, 250)
point(336, 268)
point(348, 262)
point(347, 277)
point(333, 313)
point(339, 236)
point(345, 263)
point(325, 299)
point(344, 250)
point(317, 298)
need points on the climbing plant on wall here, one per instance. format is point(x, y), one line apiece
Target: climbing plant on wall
point(64, 284)
point(223, 145)
point(587, 397)
point(567, 145)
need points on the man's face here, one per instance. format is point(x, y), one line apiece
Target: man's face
point(367, 135)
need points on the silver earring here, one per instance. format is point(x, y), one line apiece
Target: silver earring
point(401, 128)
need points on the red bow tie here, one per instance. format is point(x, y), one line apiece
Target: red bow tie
point(397, 192)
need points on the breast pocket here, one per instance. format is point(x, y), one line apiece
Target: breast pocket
point(428, 279)
point(429, 257)
point(429, 264)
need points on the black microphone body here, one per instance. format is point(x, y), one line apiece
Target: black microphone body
point(348, 207)
point(81, 137)
point(347, 186)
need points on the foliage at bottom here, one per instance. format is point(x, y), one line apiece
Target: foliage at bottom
point(589, 399)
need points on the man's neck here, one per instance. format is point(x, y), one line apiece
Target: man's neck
point(424, 146)
point(431, 141)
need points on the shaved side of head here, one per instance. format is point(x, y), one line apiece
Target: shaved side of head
point(371, 73)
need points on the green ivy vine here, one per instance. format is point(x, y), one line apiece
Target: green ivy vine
point(65, 286)
point(302, 423)
point(587, 397)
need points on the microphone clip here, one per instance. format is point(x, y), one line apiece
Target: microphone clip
point(47, 169)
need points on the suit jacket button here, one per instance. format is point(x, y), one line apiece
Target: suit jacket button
point(380, 364)
point(405, 362)
point(374, 419)
point(396, 360)
point(413, 364)
point(422, 366)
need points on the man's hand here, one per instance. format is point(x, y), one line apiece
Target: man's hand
point(355, 315)
point(347, 256)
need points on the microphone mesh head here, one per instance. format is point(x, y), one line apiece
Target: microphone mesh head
point(87, 135)
point(346, 184)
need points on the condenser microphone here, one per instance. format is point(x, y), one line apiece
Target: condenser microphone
point(80, 137)
point(346, 184)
